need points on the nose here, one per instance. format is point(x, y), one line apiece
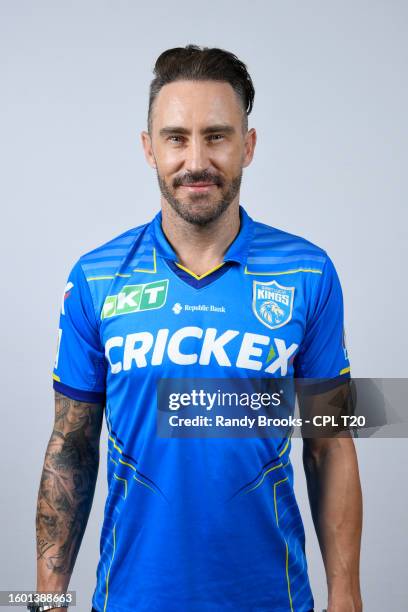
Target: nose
point(196, 155)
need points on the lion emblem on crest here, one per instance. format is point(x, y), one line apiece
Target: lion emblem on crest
point(270, 308)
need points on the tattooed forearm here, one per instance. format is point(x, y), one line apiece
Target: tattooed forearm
point(67, 486)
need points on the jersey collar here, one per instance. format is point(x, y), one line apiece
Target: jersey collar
point(237, 250)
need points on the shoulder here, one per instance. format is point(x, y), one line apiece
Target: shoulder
point(113, 260)
point(274, 238)
point(117, 256)
point(115, 248)
point(276, 250)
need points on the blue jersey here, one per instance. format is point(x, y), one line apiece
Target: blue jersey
point(197, 524)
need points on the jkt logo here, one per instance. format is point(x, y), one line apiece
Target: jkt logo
point(135, 298)
point(272, 303)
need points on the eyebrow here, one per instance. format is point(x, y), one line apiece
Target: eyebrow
point(211, 129)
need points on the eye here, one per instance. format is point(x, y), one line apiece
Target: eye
point(175, 139)
point(216, 137)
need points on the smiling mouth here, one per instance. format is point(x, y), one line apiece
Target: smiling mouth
point(199, 186)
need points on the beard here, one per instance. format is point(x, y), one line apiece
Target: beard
point(201, 208)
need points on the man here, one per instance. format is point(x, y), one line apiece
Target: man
point(201, 292)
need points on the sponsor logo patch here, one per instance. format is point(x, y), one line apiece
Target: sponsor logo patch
point(178, 308)
point(136, 298)
point(272, 303)
point(256, 351)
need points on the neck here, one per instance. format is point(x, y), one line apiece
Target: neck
point(200, 248)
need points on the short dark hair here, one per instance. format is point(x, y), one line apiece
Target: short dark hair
point(194, 63)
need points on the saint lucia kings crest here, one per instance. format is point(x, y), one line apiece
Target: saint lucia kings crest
point(272, 303)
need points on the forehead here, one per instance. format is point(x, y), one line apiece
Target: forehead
point(196, 102)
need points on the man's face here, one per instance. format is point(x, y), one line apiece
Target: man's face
point(198, 147)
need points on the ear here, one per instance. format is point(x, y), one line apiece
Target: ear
point(250, 143)
point(147, 147)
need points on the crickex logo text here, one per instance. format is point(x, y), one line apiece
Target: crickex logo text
point(141, 349)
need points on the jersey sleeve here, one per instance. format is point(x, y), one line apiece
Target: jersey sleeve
point(323, 352)
point(80, 364)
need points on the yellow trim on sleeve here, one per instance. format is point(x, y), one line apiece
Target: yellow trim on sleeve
point(55, 377)
point(202, 275)
point(345, 370)
point(313, 271)
point(89, 278)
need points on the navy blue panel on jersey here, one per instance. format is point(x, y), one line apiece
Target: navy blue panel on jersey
point(82, 396)
point(199, 524)
point(198, 283)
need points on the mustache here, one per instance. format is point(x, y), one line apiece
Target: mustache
point(198, 177)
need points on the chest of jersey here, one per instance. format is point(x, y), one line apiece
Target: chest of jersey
point(236, 325)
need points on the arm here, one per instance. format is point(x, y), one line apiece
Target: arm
point(336, 503)
point(66, 490)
